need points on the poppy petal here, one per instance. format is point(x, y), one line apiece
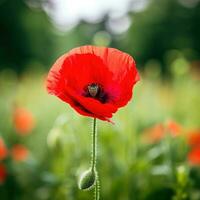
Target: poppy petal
point(80, 109)
point(93, 105)
point(194, 156)
point(112, 69)
point(122, 68)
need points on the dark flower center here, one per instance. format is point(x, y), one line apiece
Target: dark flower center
point(96, 91)
point(93, 89)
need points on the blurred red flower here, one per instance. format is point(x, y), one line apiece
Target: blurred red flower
point(19, 152)
point(194, 138)
point(174, 128)
point(158, 131)
point(155, 133)
point(23, 121)
point(95, 81)
point(3, 149)
point(3, 173)
point(194, 156)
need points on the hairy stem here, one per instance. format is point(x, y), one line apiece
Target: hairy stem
point(97, 189)
point(94, 145)
point(94, 158)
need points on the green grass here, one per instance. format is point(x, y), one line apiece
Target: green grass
point(129, 168)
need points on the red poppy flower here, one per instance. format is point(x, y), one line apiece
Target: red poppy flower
point(174, 128)
point(194, 138)
point(154, 134)
point(19, 152)
point(23, 121)
point(95, 81)
point(3, 150)
point(3, 173)
point(194, 156)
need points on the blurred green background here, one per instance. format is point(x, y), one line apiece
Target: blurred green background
point(153, 150)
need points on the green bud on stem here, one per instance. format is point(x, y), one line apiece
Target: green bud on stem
point(87, 180)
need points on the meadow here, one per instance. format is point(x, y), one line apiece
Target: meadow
point(150, 152)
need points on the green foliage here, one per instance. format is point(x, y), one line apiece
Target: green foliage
point(163, 38)
point(31, 39)
point(162, 26)
point(26, 36)
point(129, 167)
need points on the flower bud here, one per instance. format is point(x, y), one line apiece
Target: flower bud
point(87, 180)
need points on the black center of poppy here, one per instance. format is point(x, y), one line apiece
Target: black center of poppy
point(96, 91)
point(93, 89)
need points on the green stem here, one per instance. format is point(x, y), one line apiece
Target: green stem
point(94, 137)
point(97, 189)
point(94, 158)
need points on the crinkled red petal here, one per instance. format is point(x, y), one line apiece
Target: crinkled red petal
point(122, 70)
point(111, 68)
point(80, 109)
